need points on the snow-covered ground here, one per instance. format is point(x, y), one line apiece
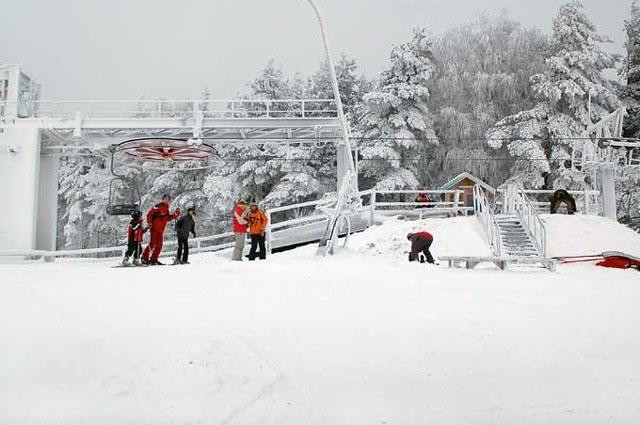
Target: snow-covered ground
point(363, 337)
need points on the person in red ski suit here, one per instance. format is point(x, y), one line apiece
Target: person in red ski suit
point(420, 243)
point(157, 219)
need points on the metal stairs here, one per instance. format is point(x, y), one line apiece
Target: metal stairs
point(514, 239)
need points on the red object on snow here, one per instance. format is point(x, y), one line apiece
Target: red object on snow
point(619, 260)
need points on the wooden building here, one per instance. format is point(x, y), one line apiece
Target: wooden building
point(465, 183)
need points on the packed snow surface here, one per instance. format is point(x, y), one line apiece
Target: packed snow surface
point(363, 337)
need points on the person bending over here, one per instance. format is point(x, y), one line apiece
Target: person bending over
point(420, 243)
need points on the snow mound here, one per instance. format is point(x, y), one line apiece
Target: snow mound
point(451, 236)
point(586, 235)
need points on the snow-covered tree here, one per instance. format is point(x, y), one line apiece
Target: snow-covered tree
point(352, 86)
point(541, 138)
point(397, 123)
point(630, 72)
point(482, 75)
point(84, 197)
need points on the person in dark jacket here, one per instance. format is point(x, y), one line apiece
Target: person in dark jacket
point(420, 243)
point(134, 239)
point(185, 225)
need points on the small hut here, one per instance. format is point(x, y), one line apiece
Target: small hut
point(465, 183)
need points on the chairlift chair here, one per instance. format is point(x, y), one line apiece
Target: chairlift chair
point(156, 149)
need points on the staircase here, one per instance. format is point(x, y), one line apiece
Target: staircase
point(514, 239)
point(518, 234)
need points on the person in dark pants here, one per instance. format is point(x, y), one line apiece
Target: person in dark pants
point(420, 243)
point(135, 231)
point(184, 226)
point(258, 222)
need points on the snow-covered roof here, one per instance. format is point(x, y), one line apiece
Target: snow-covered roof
point(457, 179)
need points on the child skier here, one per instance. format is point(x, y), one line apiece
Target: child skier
point(134, 239)
point(185, 225)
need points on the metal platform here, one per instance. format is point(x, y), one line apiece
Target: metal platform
point(253, 121)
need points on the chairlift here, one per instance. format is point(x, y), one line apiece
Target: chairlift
point(124, 194)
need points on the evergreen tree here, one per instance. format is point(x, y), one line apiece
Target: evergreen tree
point(397, 122)
point(540, 138)
point(482, 75)
point(630, 72)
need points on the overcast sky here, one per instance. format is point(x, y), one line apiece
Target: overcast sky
point(120, 49)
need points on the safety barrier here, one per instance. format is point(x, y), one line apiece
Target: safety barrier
point(186, 109)
point(487, 218)
point(420, 209)
point(291, 224)
point(531, 221)
point(588, 201)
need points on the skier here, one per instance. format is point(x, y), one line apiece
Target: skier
point(157, 219)
point(420, 243)
point(135, 231)
point(239, 227)
point(257, 224)
point(185, 225)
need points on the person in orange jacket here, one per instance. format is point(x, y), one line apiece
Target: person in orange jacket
point(157, 219)
point(258, 222)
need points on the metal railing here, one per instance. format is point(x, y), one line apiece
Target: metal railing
point(531, 221)
point(421, 209)
point(300, 218)
point(588, 200)
point(487, 218)
point(186, 109)
point(304, 213)
point(201, 245)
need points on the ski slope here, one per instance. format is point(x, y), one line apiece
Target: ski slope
point(363, 337)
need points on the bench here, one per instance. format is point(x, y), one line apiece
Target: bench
point(471, 262)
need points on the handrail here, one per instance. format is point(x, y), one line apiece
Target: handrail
point(317, 215)
point(186, 108)
point(485, 214)
point(590, 198)
point(531, 221)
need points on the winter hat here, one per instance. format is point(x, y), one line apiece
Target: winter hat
point(192, 208)
point(166, 196)
point(409, 235)
point(136, 214)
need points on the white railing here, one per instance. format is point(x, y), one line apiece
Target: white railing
point(487, 218)
point(200, 246)
point(587, 200)
point(531, 221)
point(455, 206)
point(304, 213)
point(299, 217)
point(186, 109)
